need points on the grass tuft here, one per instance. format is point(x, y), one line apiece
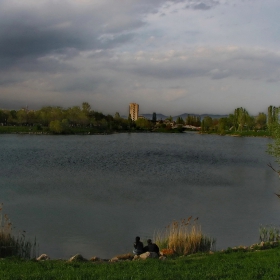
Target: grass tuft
point(11, 245)
point(269, 233)
point(184, 237)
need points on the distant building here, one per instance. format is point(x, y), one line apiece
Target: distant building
point(134, 111)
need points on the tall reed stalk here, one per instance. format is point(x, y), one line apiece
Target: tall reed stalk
point(184, 237)
point(11, 245)
point(269, 233)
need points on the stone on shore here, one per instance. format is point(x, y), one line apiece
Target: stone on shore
point(95, 259)
point(77, 258)
point(149, 255)
point(43, 257)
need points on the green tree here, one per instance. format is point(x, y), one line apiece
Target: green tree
point(223, 125)
point(271, 115)
point(261, 121)
point(4, 115)
point(22, 116)
point(207, 124)
point(274, 127)
point(154, 118)
point(56, 126)
point(179, 120)
point(117, 116)
point(170, 119)
point(86, 108)
point(143, 123)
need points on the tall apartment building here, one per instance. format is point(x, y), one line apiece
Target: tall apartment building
point(134, 111)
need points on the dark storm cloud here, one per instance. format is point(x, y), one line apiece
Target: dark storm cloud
point(36, 30)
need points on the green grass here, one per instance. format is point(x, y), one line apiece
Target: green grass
point(235, 265)
point(250, 133)
point(18, 129)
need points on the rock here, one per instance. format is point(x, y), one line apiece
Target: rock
point(43, 257)
point(149, 255)
point(125, 257)
point(77, 258)
point(115, 259)
point(95, 259)
point(136, 257)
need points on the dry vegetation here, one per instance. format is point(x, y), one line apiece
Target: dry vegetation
point(11, 245)
point(184, 237)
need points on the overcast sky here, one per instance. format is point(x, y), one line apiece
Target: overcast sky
point(170, 57)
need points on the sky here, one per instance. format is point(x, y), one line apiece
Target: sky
point(170, 57)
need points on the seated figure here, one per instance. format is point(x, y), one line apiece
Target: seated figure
point(151, 247)
point(138, 246)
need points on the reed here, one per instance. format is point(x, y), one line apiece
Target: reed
point(269, 233)
point(184, 237)
point(11, 245)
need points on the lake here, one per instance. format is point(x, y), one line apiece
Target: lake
point(93, 194)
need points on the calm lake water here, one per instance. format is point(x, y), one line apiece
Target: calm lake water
point(93, 194)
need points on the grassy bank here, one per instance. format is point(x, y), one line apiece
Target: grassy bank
point(250, 133)
point(263, 264)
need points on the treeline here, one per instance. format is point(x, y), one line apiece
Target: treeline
point(240, 121)
point(61, 120)
point(82, 119)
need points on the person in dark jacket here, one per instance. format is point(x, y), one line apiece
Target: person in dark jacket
point(138, 246)
point(151, 247)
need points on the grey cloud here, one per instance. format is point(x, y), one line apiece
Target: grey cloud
point(39, 29)
point(217, 74)
point(213, 63)
point(78, 84)
point(201, 6)
point(205, 5)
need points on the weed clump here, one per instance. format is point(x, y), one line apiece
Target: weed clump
point(269, 233)
point(184, 237)
point(14, 246)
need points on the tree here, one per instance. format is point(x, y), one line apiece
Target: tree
point(86, 108)
point(271, 115)
point(241, 116)
point(179, 120)
point(207, 124)
point(56, 126)
point(154, 119)
point(117, 116)
point(261, 121)
point(274, 127)
point(143, 123)
point(22, 116)
point(4, 117)
point(170, 119)
point(222, 125)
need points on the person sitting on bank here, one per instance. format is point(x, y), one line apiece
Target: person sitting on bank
point(151, 247)
point(138, 246)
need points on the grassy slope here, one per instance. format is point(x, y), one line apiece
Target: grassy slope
point(236, 265)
